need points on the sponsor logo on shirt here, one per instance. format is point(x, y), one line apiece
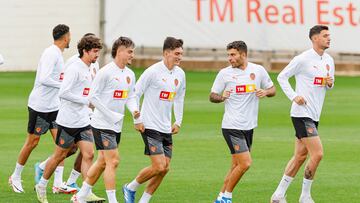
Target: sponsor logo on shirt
point(86, 91)
point(61, 77)
point(241, 89)
point(120, 94)
point(167, 96)
point(319, 81)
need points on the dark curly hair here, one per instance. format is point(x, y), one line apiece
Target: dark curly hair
point(87, 43)
point(238, 45)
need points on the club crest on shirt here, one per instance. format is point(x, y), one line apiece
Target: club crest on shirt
point(128, 80)
point(61, 77)
point(252, 76)
point(176, 82)
point(327, 67)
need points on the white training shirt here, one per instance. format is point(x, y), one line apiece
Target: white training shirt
point(161, 88)
point(112, 89)
point(94, 67)
point(74, 91)
point(309, 69)
point(44, 96)
point(241, 108)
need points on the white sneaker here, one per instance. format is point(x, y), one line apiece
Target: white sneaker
point(15, 183)
point(75, 199)
point(306, 199)
point(276, 199)
point(65, 189)
point(41, 193)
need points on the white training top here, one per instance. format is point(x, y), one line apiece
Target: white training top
point(94, 67)
point(74, 91)
point(241, 108)
point(112, 89)
point(44, 96)
point(309, 69)
point(161, 88)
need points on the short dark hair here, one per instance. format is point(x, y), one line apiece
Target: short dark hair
point(60, 30)
point(171, 43)
point(317, 30)
point(89, 34)
point(87, 43)
point(121, 41)
point(238, 45)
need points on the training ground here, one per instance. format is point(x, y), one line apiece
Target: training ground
point(201, 158)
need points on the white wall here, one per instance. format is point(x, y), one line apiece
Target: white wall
point(262, 24)
point(26, 28)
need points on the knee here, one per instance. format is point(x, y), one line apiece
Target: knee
point(317, 156)
point(88, 156)
point(299, 159)
point(160, 169)
point(246, 165)
point(114, 162)
point(32, 143)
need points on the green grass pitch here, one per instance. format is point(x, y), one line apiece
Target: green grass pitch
point(201, 157)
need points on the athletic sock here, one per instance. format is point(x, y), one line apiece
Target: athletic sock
point(74, 175)
point(133, 185)
point(283, 186)
point(145, 198)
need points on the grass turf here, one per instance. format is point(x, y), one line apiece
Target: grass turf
point(201, 157)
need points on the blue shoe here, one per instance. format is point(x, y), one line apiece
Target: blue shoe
point(129, 195)
point(226, 200)
point(217, 201)
point(74, 185)
point(38, 172)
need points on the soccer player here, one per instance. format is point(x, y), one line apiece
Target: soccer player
point(240, 86)
point(43, 104)
point(73, 118)
point(75, 172)
point(314, 73)
point(112, 90)
point(163, 85)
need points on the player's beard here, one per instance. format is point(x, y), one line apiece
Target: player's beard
point(68, 45)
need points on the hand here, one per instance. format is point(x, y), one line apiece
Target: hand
point(226, 95)
point(300, 100)
point(329, 81)
point(175, 129)
point(261, 93)
point(139, 127)
point(136, 114)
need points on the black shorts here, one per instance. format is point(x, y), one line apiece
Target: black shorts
point(305, 127)
point(39, 123)
point(66, 137)
point(157, 143)
point(238, 141)
point(106, 139)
